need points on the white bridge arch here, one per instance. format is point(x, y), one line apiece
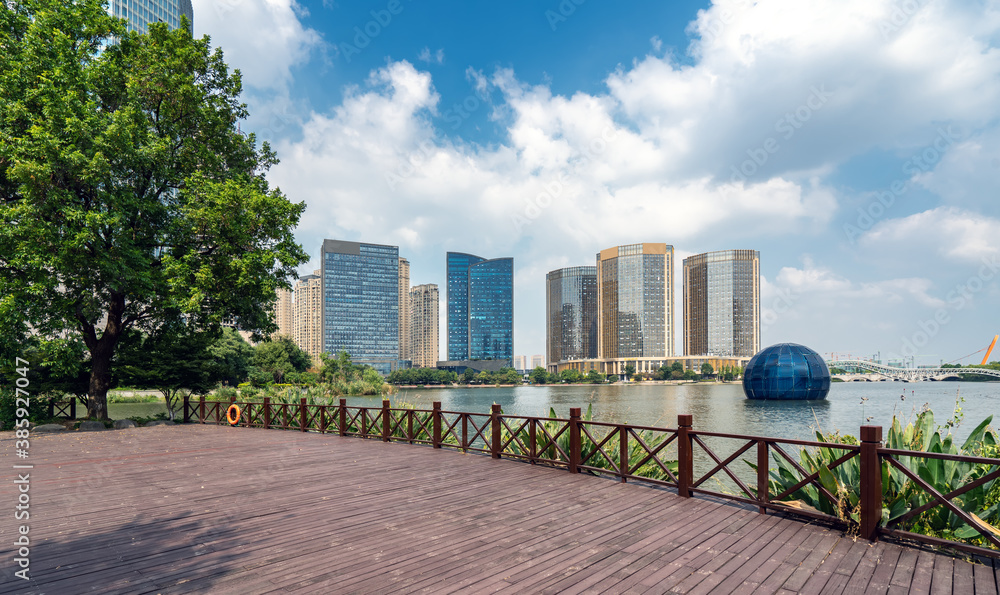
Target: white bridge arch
point(907, 374)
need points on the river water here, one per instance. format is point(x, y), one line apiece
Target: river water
point(723, 408)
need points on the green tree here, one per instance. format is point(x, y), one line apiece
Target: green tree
point(279, 357)
point(129, 200)
point(232, 357)
point(595, 377)
point(689, 375)
point(509, 376)
point(677, 367)
point(468, 375)
point(707, 369)
point(175, 360)
point(570, 376)
point(538, 376)
point(629, 370)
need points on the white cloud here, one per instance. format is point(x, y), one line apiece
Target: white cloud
point(263, 38)
point(947, 232)
point(783, 90)
point(425, 55)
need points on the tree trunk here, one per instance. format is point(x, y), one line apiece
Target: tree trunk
point(100, 383)
point(101, 353)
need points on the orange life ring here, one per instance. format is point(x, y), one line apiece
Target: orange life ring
point(233, 414)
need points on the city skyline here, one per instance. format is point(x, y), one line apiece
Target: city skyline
point(860, 169)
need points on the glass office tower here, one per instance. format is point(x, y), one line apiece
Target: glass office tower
point(361, 302)
point(480, 307)
point(458, 304)
point(571, 314)
point(722, 303)
point(139, 13)
point(491, 309)
point(635, 290)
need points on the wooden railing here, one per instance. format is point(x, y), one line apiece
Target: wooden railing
point(638, 453)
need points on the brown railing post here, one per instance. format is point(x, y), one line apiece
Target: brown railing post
point(267, 412)
point(685, 457)
point(465, 432)
point(623, 453)
point(72, 408)
point(409, 425)
point(762, 484)
point(303, 414)
point(186, 410)
point(52, 408)
point(342, 417)
point(322, 419)
point(532, 441)
point(201, 409)
point(871, 482)
point(574, 439)
point(495, 431)
point(385, 420)
point(436, 423)
point(363, 414)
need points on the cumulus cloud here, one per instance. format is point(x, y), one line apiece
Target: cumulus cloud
point(265, 39)
point(950, 233)
point(740, 143)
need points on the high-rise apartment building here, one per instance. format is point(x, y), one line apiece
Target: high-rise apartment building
point(423, 325)
point(480, 307)
point(722, 303)
point(635, 290)
point(284, 317)
point(404, 309)
point(307, 314)
point(571, 314)
point(361, 302)
point(140, 13)
point(537, 361)
point(520, 362)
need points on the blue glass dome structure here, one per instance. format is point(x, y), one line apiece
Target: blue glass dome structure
point(786, 371)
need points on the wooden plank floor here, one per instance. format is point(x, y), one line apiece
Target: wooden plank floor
point(206, 509)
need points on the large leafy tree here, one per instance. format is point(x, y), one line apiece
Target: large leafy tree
point(129, 200)
point(279, 357)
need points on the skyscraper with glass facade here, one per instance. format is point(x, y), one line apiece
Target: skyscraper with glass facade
point(480, 307)
point(722, 303)
point(635, 290)
point(140, 13)
point(361, 302)
point(571, 314)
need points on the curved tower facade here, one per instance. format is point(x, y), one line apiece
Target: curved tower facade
point(635, 289)
point(722, 303)
point(571, 314)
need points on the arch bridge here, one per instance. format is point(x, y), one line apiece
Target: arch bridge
point(906, 374)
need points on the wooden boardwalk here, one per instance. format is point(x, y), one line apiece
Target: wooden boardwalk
point(205, 509)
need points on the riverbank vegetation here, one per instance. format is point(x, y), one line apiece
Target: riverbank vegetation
point(900, 495)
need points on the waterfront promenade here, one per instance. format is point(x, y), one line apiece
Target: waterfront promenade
point(181, 509)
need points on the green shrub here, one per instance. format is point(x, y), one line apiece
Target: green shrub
point(37, 410)
point(899, 494)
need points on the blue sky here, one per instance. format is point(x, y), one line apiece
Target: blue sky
point(855, 143)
